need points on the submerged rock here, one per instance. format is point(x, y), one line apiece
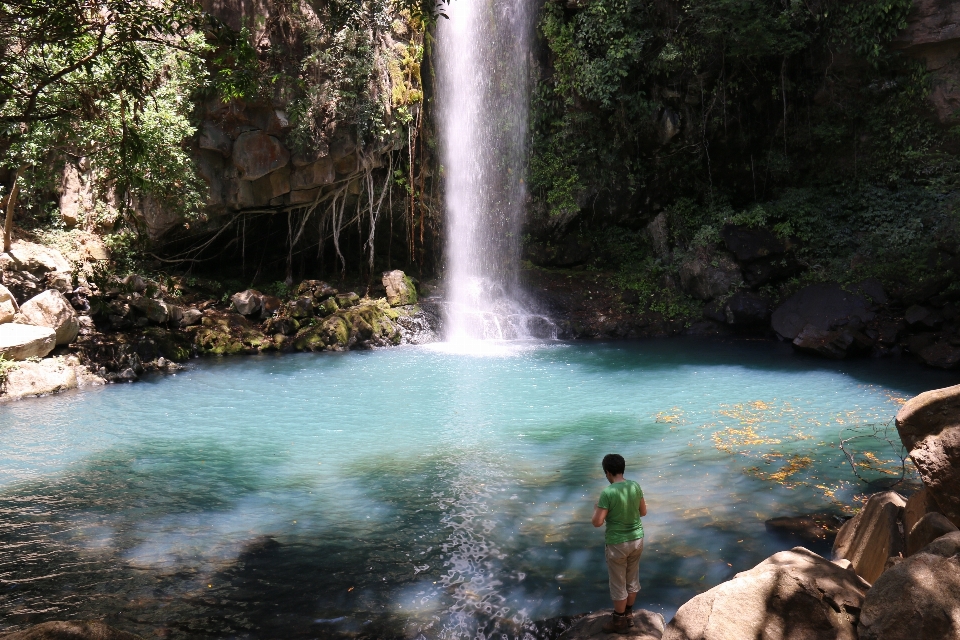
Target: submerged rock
point(873, 535)
point(792, 594)
point(918, 598)
point(647, 625)
point(72, 630)
point(929, 427)
point(813, 527)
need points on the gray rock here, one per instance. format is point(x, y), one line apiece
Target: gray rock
point(659, 234)
point(929, 528)
point(300, 308)
point(155, 310)
point(50, 375)
point(400, 289)
point(707, 278)
point(247, 302)
point(929, 427)
point(128, 375)
point(791, 595)
point(647, 625)
point(72, 630)
point(30, 268)
point(191, 317)
point(917, 598)
point(22, 341)
point(873, 535)
point(825, 306)
point(52, 309)
point(213, 138)
point(873, 289)
point(747, 309)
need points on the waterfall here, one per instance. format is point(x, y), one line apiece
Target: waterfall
point(483, 65)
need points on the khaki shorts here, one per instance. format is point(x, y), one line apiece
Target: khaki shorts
point(623, 565)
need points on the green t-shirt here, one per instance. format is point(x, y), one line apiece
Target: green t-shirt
point(622, 502)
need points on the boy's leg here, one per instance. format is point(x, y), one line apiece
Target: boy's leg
point(632, 572)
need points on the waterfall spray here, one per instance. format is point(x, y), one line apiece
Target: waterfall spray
point(484, 87)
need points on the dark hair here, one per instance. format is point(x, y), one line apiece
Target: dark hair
point(614, 464)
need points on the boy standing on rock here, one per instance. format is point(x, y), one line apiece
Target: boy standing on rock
point(620, 506)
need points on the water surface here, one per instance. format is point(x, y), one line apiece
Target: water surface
point(414, 491)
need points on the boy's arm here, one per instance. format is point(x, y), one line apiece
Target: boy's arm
point(599, 515)
point(643, 507)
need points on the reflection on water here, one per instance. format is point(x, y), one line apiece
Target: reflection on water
point(414, 491)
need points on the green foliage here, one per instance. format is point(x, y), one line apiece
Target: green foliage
point(6, 366)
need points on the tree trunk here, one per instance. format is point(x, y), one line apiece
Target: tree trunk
point(11, 205)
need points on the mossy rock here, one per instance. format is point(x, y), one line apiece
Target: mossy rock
point(310, 339)
point(349, 299)
point(229, 334)
point(172, 345)
point(327, 307)
point(336, 331)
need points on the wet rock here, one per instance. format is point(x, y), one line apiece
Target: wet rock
point(813, 527)
point(824, 306)
point(918, 505)
point(257, 154)
point(422, 327)
point(707, 278)
point(647, 625)
point(8, 305)
point(941, 355)
point(400, 289)
point(831, 344)
point(52, 309)
point(50, 375)
point(873, 535)
point(929, 528)
point(327, 307)
point(917, 598)
point(283, 326)
point(248, 302)
point(929, 427)
point(791, 594)
point(747, 309)
point(72, 630)
point(154, 310)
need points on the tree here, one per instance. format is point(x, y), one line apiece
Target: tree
point(75, 68)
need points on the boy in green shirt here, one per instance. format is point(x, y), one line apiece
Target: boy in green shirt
point(620, 506)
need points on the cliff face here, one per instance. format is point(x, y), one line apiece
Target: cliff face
point(933, 36)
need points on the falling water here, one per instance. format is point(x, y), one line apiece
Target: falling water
point(484, 95)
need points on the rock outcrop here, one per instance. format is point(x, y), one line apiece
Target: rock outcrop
point(71, 630)
point(400, 289)
point(918, 598)
point(791, 594)
point(826, 307)
point(52, 309)
point(929, 426)
point(647, 625)
point(22, 341)
point(763, 256)
point(873, 535)
point(30, 268)
point(918, 505)
point(707, 278)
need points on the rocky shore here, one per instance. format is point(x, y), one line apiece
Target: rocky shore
point(63, 327)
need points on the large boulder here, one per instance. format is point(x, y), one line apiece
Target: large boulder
point(826, 307)
point(156, 311)
point(790, 595)
point(50, 375)
point(762, 255)
point(647, 625)
point(8, 305)
point(747, 309)
point(918, 598)
point(831, 344)
point(70, 630)
point(929, 528)
point(52, 309)
point(813, 527)
point(873, 535)
point(256, 154)
point(247, 302)
point(400, 289)
point(929, 427)
point(707, 278)
point(22, 341)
